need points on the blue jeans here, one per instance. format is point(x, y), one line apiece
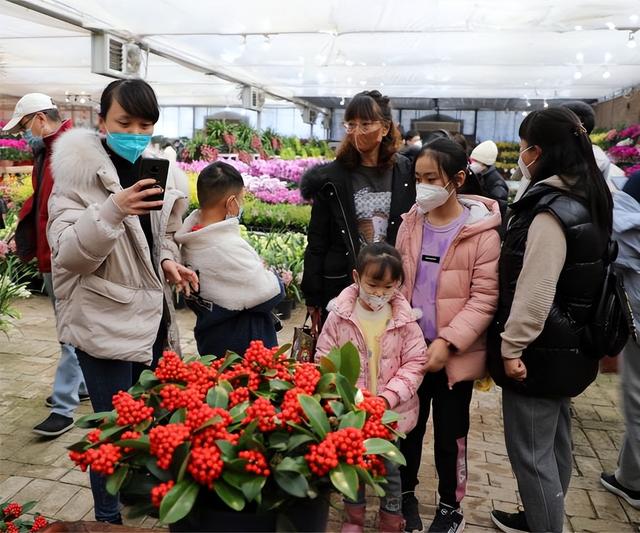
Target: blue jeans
point(68, 383)
point(104, 378)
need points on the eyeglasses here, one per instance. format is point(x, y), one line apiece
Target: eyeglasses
point(22, 127)
point(364, 127)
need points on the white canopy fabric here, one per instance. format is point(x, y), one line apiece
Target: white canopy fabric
point(298, 48)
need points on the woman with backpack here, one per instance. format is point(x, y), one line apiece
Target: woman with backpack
point(551, 270)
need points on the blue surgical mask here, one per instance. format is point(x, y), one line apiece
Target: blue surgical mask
point(128, 145)
point(36, 142)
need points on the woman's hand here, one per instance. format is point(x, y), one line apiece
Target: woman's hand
point(515, 368)
point(438, 352)
point(182, 277)
point(132, 200)
point(316, 320)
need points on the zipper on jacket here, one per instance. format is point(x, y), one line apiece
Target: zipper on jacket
point(344, 216)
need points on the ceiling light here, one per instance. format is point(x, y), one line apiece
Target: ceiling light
point(381, 84)
point(342, 101)
point(634, 18)
point(580, 57)
point(611, 25)
point(578, 28)
point(606, 74)
point(525, 113)
point(545, 104)
point(577, 75)
point(363, 82)
point(349, 80)
point(631, 42)
point(349, 63)
point(527, 103)
point(607, 57)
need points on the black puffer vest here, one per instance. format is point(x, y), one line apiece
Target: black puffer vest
point(556, 362)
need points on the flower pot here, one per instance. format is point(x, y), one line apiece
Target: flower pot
point(6, 163)
point(609, 365)
point(209, 514)
point(284, 309)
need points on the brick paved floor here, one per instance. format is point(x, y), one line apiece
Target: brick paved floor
point(32, 468)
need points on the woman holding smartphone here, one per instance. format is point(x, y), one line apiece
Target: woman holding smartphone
point(113, 253)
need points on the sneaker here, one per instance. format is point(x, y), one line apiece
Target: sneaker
point(413, 523)
point(49, 400)
point(54, 425)
point(632, 497)
point(510, 522)
point(447, 520)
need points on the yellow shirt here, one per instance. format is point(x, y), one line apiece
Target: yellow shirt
point(372, 324)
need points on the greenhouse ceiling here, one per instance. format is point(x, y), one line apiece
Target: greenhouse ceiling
point(199, 52)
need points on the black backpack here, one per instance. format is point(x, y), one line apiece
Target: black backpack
point(611, 324)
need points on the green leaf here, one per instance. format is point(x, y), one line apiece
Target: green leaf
point(292, 482)
point(237, 412)
point(115, 480)
point(152, 466)
point(299, 439)
point(28, 506)
point(218, 397)
point(251, 489)
point(148, 379)
point(271, 373)
point(291, 465)
point(137, 444)
point(279, 385)
point(314, 411)
point(215, 419)
point(385, 448)
point(389, 417)
point(279, 441)
point(180, 460)
point(338, 407)
point(229, 495)
point(302, 430)
point(346, 392)
point(178, 416)
point(139, 510)
point(331, 361)
point(353, 419)
point(326, 382)
point(229, 359)
point(208, 359)
point(366, 476)
point(143, 426)
point(247, 435)
point(81, 446)
point(227, 449)
point(283, 349)
point(179, 501)
point(92, 420)
point(345, 479)
point(110, 432)
point(350, 363)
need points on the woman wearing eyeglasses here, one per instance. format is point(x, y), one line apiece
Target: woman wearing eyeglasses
point(357, 199)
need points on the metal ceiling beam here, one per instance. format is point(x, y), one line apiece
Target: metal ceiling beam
point(166, 54)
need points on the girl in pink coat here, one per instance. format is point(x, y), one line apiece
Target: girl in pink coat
point(379, 321)
point(450, 248)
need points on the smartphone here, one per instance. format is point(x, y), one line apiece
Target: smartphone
point(157, 169)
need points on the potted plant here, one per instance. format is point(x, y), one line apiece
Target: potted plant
point(249, 443)
point(10, 521)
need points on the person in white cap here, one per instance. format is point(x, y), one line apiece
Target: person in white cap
point(483, 159)
point(37, 117)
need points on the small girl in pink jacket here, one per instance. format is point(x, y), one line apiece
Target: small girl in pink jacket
point(450, 248)
point(378, 320)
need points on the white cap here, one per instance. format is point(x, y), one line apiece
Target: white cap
point(486, 153)
point(28, 104)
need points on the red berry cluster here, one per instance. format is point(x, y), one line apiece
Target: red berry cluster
point(39, 523)
point(164, 440)
point(216, 431)
point(205, 465)
point(258, 358)
point(256, 462)
point(173, 397)
point(240, 395)
point(375, 465)
point(375, 408)
point(130, 411)
point(13, 510)
point(171, 368)
point(11, 528)
point(80, 459)
point(264, 412)
point(160, 491)
point(345, 444)
point(129, 435)
point(103, 459)
point(291, 410)
point(94, 436)
point(307, 377)
point(200, 377)
point(374, 428)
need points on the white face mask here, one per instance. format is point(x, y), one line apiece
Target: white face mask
point(374, 302)
point(524, 168)
point(417, 143)
point(429, 197)
point(476, 167)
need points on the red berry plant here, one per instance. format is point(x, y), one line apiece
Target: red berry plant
point(259, 429)
point(11, 521)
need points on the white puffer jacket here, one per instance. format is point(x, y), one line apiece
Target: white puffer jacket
point(109, 299)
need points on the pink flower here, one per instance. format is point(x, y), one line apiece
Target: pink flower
point(632, 132)
point(611, 135)
point(632, 170)
point(4, 249)
point(623, 153)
